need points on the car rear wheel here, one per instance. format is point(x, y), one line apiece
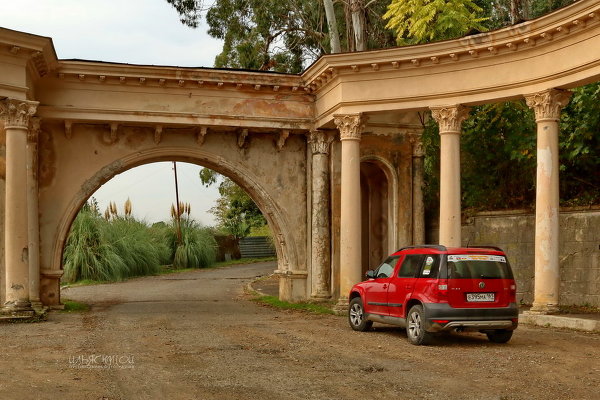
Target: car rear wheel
point(499, 336)
point(356, 316)
point(415, 329)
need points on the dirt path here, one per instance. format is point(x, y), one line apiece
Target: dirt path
point(195, 336)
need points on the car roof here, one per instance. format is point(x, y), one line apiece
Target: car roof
point(438, 249)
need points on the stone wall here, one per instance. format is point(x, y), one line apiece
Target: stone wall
point(514, 232)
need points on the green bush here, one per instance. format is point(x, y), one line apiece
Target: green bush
point(133, 242)
point(87, 255)
point(198, 247)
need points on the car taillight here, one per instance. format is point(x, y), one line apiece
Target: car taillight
point(513, 292)
point(443, 288)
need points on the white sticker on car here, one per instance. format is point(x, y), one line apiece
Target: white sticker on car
point(476, 257)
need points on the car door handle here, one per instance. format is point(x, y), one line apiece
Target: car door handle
point(385, 285)
point(408, 286)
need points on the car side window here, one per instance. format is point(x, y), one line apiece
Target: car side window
point(386, 269)
point(410, 265)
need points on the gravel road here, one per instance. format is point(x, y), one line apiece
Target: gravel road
point(196, 336)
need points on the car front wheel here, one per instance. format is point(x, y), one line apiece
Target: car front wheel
point(415, 329)
point(356, 316)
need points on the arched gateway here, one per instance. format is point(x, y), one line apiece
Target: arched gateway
point(308, 148)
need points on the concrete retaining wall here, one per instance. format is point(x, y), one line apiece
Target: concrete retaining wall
point(514, 232)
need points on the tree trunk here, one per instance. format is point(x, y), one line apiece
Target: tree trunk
point(334, 35)
point(349, 32)
point(358, 23)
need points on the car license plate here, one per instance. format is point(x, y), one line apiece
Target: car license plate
point(480, 297)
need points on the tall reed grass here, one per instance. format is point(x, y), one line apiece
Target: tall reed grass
point(198, 247)
point(117, 247)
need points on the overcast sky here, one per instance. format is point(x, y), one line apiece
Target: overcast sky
point(128, 31)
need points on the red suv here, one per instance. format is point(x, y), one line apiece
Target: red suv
point(429, 289)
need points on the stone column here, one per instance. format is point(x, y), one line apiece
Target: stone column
point(16, 115)
point(418, 206)
point(321, 249)
point(547, 106)
point(350, 127)
point(33, 231)
point(450, 121)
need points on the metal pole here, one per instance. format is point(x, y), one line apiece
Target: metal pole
point(177, 217)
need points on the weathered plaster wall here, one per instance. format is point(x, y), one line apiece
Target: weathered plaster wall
point(71, 169)
point(2, 195)
point(515, 232)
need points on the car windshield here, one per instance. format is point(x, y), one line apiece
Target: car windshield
point(478, 266)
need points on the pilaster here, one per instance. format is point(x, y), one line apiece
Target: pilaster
point(320, 142)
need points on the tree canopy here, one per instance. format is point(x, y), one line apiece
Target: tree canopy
point(421, 21)
point(236, 213)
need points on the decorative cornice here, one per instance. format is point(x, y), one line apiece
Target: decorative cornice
point(177, 77)
point(349, 125)
point(17, 113)
point(548, 104)
point(320, 141)
point(450, 118)
point(522, 37)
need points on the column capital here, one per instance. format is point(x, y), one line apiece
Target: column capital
point(548, 104)
point(450, 118)
point(17, 113)
point(416, 140)
point(320, 141)
point(349, 125)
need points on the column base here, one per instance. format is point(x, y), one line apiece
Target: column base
point(17, 306)
point(320, 296)
point(17, 310)
point(543, 309)
point(341, 308)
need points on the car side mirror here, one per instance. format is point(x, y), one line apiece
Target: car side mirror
point(370, 274)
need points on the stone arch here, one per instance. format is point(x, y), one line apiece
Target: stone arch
point(286, 252)
point(379, 200)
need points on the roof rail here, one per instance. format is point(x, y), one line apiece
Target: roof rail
point(487, 247)
point(425, 246)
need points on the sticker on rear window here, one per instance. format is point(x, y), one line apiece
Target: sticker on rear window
point(428, 264)
point(476, 257)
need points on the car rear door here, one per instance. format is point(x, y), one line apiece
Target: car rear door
point(478, 281)
point(402, 284)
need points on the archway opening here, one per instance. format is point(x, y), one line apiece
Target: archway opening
point(375, 197)
point(162, 216)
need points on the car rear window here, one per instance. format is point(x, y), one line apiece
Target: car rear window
point(478, 266)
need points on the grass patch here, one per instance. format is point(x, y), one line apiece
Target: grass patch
point(169, 269)
point(244, 261)
point(273, 301)
point(75, 306)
